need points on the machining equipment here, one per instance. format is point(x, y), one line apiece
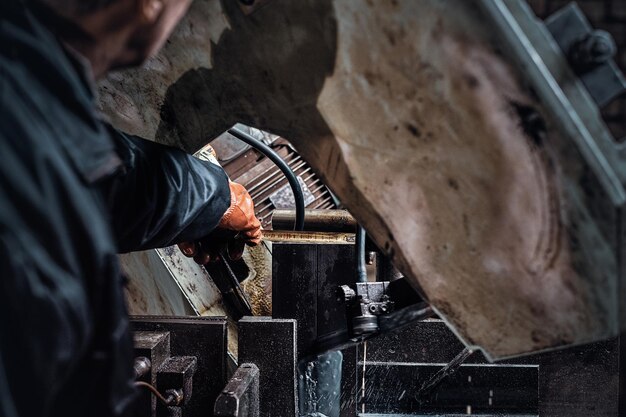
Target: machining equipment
point(466, 143)
point(286, 367)
point(470, 145)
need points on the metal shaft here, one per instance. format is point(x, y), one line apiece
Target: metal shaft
point(317, 238)
point(316, 220)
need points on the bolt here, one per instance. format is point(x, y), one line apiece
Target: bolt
point(141, 366)
point(594, 49)
point(174, 397)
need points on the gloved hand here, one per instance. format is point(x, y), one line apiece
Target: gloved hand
point(238, 227)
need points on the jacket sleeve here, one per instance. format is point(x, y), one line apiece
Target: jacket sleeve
point(163, 195)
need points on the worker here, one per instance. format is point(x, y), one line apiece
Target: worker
point(74, 192)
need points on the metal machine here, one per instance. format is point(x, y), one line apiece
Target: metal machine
point(337, 339)
point(396, 357)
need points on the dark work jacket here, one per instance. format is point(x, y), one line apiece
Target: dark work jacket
point(73, 192)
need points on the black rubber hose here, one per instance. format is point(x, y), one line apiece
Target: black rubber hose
point(296, 188)
point(360, 254)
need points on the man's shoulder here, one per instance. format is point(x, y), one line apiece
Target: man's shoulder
point(46, 112)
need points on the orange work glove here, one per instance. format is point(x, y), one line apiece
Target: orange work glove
point(238, 227)
point(240, 216)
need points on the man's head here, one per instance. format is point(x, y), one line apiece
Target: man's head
point(120, 33)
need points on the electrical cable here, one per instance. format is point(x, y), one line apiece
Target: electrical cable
point(296, 188)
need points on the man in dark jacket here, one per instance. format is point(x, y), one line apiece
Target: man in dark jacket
point(74, 192)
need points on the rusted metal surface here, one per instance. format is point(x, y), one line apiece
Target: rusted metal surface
point(426, 132)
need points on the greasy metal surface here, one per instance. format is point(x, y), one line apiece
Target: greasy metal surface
point(426, 132)
point(307, 278)
point(464, 414)
point(315, 220)
point(513, 388)
point(258, 285)
point(190, 292)
point(319, 238)
point(441, 415)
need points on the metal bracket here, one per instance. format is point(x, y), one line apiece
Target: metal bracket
point(590, 53)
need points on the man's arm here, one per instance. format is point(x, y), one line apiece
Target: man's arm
point(163, 196)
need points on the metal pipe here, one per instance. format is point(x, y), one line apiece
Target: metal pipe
point(317, 238)
point(316, 220)
point(359, 250)
point(296, 188)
